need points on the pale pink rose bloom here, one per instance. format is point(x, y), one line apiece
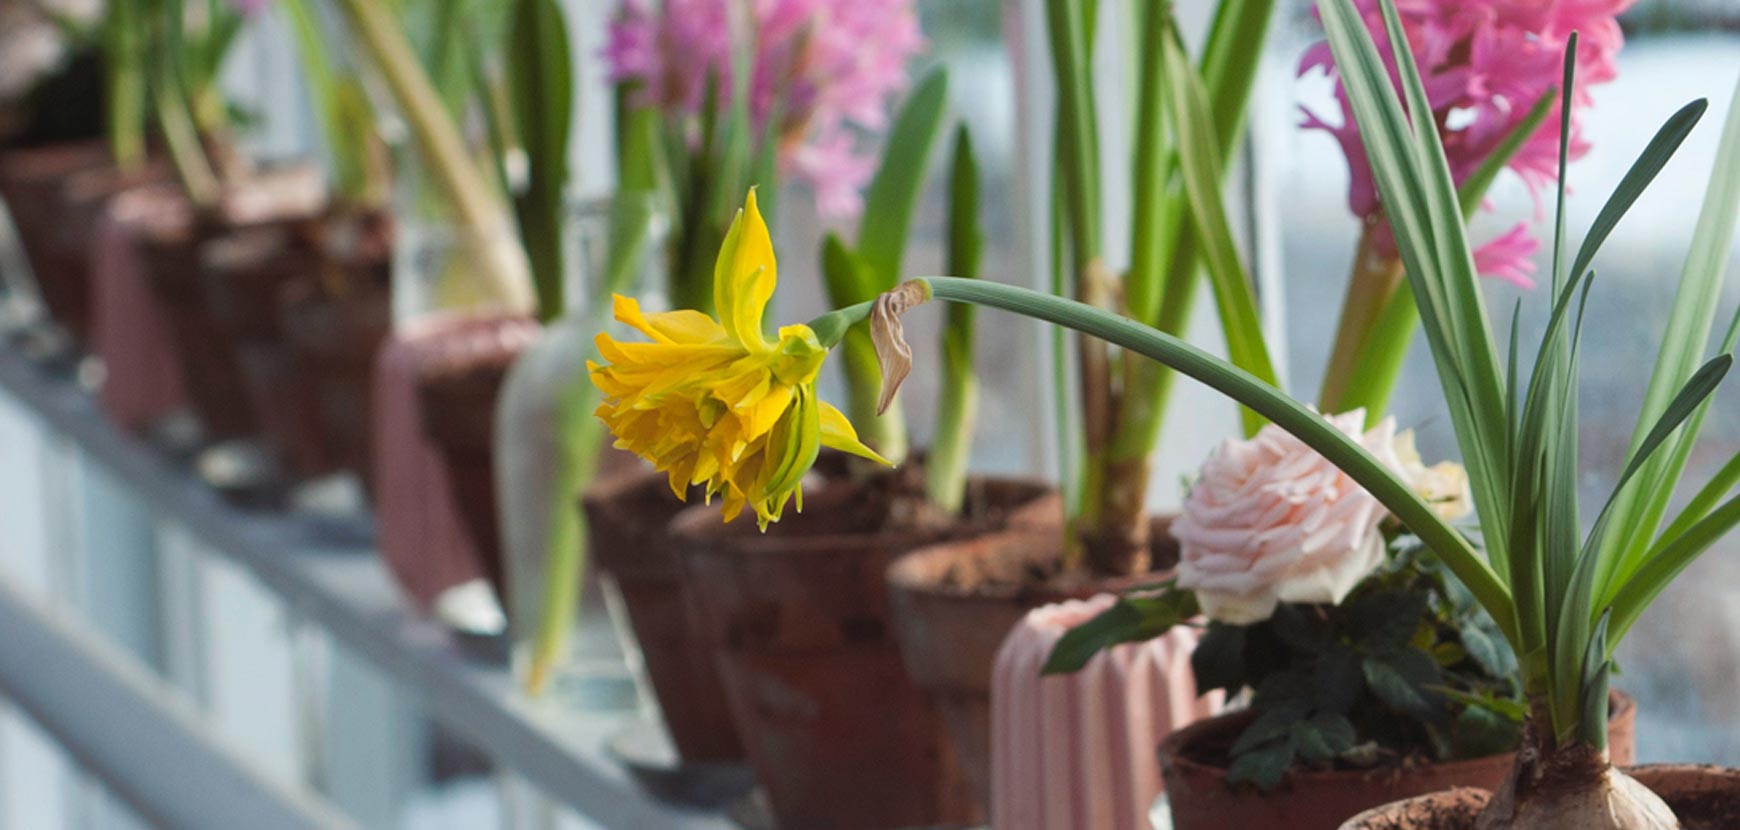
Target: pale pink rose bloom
point(1484, 63)
point(1269, 520)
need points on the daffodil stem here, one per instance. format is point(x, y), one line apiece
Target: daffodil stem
point(1266, 400)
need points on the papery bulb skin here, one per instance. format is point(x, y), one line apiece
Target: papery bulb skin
point(1572, 788)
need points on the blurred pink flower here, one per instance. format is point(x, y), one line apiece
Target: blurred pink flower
point(1485, 63)
point(826, 68)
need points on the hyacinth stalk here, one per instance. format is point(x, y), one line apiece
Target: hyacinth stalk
point(1561, 598)
point(503, 262)
point(124, 88)
point(1188, 118)
point(860, 273)
point(946, 467)
point(341, 108)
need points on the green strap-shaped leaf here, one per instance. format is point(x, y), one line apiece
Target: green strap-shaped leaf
point(541, 92)
point(1409, 168)
point(1382, 482)
point(894, 192)
point(1683, 343)
point(1200, 166)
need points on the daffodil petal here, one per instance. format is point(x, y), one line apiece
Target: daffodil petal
point(744, 277)
point(837, 433)
point(680, 326)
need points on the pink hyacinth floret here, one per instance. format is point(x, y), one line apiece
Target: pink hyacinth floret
point(1485, 63)
point(828, 68)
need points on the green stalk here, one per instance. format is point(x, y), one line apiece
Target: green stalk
point(541, 94)
point(946, 466)
point(583, 436)
point(192, 167)
point(1366, 360)
point(1452, 548)
point(124, 89)
point(444, 153)
point(1228, 68)
point(350, 171)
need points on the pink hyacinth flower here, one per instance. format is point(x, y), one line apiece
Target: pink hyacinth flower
point(1485, 63)
point(827, 69)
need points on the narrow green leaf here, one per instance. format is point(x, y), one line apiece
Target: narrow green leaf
point(1643, 171)
point(1660, 569)
point(1706, 499)
point(1688, 330)
point(893, 193)
point(1292, 416)
point(1409, 168)
point(1071, 29)
point(1143, 285)
point(946, 467)
point(1199, 166)
point(1591, 727)
point(541, 91)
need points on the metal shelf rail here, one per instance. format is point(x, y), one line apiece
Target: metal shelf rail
point(333, 580)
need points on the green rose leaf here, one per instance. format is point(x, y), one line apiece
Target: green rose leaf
point(1338, 681)
point(1488, 650)
point(1219, 659)
point(1480, 732)
point(1263, 766)
point(1403, 679)
point(1323, 737)
point(1386, 620)
point(1275, 722)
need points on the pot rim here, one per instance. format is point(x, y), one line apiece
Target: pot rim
point(1725, 777)
point(906, 573)
point(1172, 755)
point(702, 539)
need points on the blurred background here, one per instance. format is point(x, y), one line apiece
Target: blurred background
point(309, 671)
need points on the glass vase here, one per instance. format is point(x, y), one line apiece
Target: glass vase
point(549, 447)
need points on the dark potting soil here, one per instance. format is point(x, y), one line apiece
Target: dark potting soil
point(1033, 565)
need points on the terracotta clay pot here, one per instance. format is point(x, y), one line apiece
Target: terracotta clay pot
point(335, 325)
point(627, 526)
point(1202, 800)
point(955, 602)
point(169, 250)
point(1702, 797)
point(55, 193)
point(456, 402)
point(801, 626)
point(246, 275)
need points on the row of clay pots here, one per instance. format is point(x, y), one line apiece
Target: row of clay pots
point(781, 648)
point(271, 326)
point(796, 633)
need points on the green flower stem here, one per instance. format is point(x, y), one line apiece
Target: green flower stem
point(951, 449)
point(1228, 69)
point(192, 167)
point(1266, 400)
point(443, 148)
point(632, 221)
point(124, 88)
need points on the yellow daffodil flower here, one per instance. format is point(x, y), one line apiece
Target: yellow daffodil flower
point(715, 402)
